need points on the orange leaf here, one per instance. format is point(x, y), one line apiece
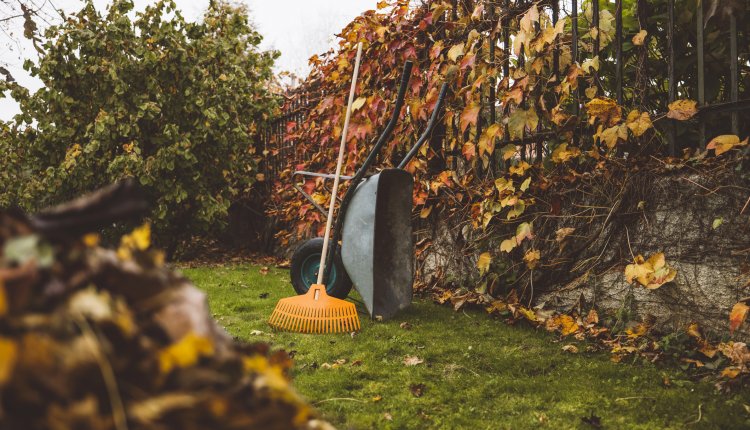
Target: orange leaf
point(469, 115)
point(737, 316)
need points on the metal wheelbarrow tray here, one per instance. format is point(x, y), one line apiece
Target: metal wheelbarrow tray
point(374, 226)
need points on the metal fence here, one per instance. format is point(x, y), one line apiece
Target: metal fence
point(686, 45)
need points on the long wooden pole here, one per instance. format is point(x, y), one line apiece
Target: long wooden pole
point(339, 164)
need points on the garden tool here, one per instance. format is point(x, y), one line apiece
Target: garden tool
point(316, 311)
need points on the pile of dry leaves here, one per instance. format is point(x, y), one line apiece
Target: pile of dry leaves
point(92, 338)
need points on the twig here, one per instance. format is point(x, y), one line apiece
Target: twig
point(334, 399)
point(627, 234)
point(700, 414)
point(745, 207)
point(118, 410)
point(619, 399)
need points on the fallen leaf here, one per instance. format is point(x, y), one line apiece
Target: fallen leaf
point(412, 360)
point(737, 316)
point(717, 222)
point(417, 389)
point(570, 348)
point(682, 110)
point(377, 398)
point(405, 325)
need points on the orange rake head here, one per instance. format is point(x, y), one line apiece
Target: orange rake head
point(315, 312)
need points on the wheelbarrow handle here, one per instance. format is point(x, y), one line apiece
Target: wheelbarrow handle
point(308, 196)
point(405, 76)
point(428, 131)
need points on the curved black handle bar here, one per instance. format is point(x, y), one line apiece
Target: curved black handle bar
point(428, 131)
point(405, 75)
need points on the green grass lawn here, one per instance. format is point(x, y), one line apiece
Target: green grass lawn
point(477, 373)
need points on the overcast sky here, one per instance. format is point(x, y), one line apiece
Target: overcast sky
point(297, 28)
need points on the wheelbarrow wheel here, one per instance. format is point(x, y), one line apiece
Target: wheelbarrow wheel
point(304, 270)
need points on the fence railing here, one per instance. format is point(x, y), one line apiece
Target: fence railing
point(687, 55)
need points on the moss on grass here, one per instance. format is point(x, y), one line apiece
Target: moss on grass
point(477, 372)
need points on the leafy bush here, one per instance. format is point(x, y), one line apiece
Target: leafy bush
point(173, 103)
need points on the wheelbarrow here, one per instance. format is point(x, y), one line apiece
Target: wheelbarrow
point(374, 225)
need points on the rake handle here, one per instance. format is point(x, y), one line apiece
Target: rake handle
point(339, 164)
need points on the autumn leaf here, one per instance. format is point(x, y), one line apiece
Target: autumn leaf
point(469, 150)
point(638, 122)
point(411, 360)
point(520, 120)
point(531, 258)
point(525, 184)
point(570, 348)
point(562, 153)
point(651, 273)
point(612, 135)
point(682, 110)
point(725, 142)
point(469, 115)
point(508, 151)
point(520, 168)
point(483, 264)
point(562, 233)
point(605, 110)
point(487, 140)
point(358, 103)
point(737, 316)
point(425, 212)
point(456, 51)
point(507, 245)
point(185, 352)
point(523, 231)
point(504, 185)
point(639, 38)
point(9, 355)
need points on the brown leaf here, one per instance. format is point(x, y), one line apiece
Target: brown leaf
point(417, 389)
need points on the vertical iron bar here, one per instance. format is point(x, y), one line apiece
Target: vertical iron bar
point(618, 52)
point(556, 51)
point(574, 47)
point(670, 73)
point(492, 63)
point(595, 19)
point(734, 85)
point(701, 74)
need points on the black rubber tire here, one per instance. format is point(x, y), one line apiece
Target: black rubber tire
point(342, 285)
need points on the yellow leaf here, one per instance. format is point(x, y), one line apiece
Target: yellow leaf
point(504, 185)
point(184, 353)
point(358, 103)
point(639, 122)
point(637, 331)
point(639, 37)
point(562, 153)
point(508, 244)
point(508, 151)
point(523, 231)
point(730, 372)
point(525, 184)
point(3, 301)
point(425, 212)
point(605, 110)
point(456, 51)
point(737, 316)
point(725, 142)
point(531, 258)
point(682, 110)
point(591, 63)
point(483, 264)
point(520, 168)
point(8, 357)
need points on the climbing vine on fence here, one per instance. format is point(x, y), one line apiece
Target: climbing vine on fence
point(528, 113)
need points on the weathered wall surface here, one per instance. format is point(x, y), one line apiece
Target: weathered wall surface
point(671, 212)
